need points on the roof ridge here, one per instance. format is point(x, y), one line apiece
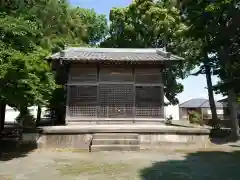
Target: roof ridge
point(117, 50)
point(204, 103)
point(123, 54)
point(185, 102)
point(193, 99)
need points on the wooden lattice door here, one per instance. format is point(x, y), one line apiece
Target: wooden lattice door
point(116, 100)
point(82, 101)
point(149, 102)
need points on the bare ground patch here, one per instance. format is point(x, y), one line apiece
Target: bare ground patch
point(213, 163)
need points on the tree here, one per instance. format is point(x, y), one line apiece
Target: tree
point(199, 25)
point(216, 21)
point(207, 68)
point(59, 23)
point(152, 24)
point(228, 52)
point(31, 30)
point(2, 114)
point(17, 40)
point(95, 25)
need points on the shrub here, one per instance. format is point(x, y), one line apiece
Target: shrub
point(195, 118)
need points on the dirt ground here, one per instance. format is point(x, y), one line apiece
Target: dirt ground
point(216, 163)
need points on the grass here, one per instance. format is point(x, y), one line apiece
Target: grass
point(71, 150)
point(209, 165)
point(212, 163)
point(76, 168)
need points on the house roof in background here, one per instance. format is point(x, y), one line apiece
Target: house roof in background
point(207, 104)
point(223, 100)
point(199, 103)
point(114, 54)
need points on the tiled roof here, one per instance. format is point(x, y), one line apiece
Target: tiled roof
point(207, 105)
point(114, 54)
point(199, 103)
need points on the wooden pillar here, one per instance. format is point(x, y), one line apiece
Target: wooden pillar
point(67, 91)
point(98, 94)
point(134, 94)
point(162, 102)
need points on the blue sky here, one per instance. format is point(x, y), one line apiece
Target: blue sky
point(194, 87)
point(100, 6)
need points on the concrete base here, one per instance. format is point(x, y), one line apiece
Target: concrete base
point(149, 136)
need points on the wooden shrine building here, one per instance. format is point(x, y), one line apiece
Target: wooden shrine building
point(113, 84)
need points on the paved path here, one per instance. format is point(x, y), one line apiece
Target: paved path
point(211, 164)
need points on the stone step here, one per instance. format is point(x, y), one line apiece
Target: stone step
point(115, 141)
point(115, 136)
point(97, 148)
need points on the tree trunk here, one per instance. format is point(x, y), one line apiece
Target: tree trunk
point(232, 99)
point(39, 112)
point(2, 115)
point(23, 110)
point(22, 116)
point(215, 121)
point(232, 105)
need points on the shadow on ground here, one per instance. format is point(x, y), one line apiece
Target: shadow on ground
point(196, 166)
point(9, 142)
point(236, 146)
point(10, 149)
point(221, 136)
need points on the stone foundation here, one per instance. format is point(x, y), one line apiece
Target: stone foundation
point(150, 137)
point(30, 138)
point(155, 141)
point(72, 141)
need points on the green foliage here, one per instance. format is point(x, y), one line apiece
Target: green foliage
point(195, 118)
point(172, 87)
point(17, 34)
point(95, 25)
point(27, 80)
point(30, 31)
point(216, 24)
point(23, 72)
point(144, 24)
point(58, 22)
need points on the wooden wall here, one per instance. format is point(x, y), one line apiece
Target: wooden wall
point(114, 91)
